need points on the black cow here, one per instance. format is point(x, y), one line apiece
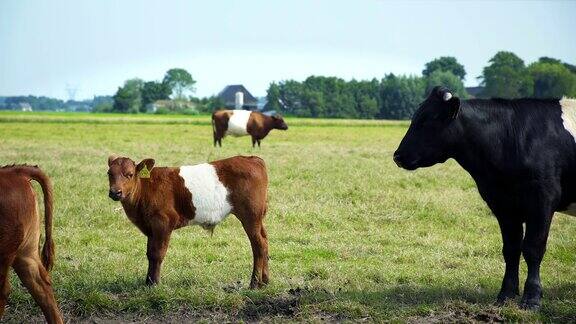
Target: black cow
point(522, 155)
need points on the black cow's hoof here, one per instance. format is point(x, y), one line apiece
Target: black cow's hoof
point(502, 300)
point(532, 298)
point(530, 305)
point(505, 296)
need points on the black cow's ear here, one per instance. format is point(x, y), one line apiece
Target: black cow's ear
point(454, 106)
point(148, 163)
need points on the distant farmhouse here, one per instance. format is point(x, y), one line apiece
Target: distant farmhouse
point(24, 106)
point(236, 96)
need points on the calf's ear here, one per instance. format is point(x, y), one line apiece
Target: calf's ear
point(111, 159)
point(148, 163)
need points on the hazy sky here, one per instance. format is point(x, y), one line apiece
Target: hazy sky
point(94, 45)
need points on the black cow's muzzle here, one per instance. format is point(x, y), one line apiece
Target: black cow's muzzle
point(402, 163)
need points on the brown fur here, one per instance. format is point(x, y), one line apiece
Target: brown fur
point(20, 235)
point(259, 125)
point(160, 204)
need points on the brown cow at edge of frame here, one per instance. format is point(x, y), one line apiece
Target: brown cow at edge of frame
point(244, 122)
point(20, 235)
point(159, 200)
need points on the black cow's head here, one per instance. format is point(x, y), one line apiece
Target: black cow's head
point(430, 135)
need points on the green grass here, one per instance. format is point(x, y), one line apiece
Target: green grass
point(351, 235)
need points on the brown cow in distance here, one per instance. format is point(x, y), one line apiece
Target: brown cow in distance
point(159, 200)
point(20, 235)
point(244, 122)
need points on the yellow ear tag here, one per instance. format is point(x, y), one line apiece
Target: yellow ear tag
point(144, 173)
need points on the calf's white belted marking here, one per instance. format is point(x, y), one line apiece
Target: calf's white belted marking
point(209, 195)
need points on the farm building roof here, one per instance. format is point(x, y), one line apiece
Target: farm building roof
point(228, 95)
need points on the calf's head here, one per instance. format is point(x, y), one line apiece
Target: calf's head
point(124, 174)
point(431, 133)
point(279, 122)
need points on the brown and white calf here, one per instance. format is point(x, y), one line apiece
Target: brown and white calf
point(20, 235)
point(240, 122)
point(159, 200)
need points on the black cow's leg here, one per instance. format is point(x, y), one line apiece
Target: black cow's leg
point(533, 249)
point(253, 142)
point(258, 142)
point(512, 232)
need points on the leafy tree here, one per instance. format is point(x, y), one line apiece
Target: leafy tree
point(273, 97)
point(314, 101)
point(367, 107)
point(447, 64)
point(400, 96)
point(448, 80)
point(506, 77)
point(552, 79)
point(366, 96)
point(37, 103)
point(545, 59)
point(153, 91)
point(208, 104)
point(103, 107)
point(291, 97)
point(128, 98)
point(179, 81)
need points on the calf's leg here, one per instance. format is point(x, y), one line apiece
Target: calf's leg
point(259, 244)
point(512, 233)
point(36, 279)
point(4, 284)
point(265, 271)
point(156, 251)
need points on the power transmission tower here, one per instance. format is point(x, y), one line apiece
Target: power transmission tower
point(71, 90)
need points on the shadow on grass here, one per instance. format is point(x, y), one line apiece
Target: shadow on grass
point(433, 303)
point(129, 299)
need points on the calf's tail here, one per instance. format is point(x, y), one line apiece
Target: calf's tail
point(37, 175)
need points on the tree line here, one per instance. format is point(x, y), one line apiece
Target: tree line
point(43, 103)
point(174, 94)
point(398, 96)
point(392, 97)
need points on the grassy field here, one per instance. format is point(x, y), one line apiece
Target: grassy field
point(352, 237)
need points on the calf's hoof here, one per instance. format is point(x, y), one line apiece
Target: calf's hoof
point(257, 285)
point(151, 282)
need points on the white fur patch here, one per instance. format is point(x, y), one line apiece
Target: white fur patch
point(569, 115)
point(209, 195)
point(237, 125)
